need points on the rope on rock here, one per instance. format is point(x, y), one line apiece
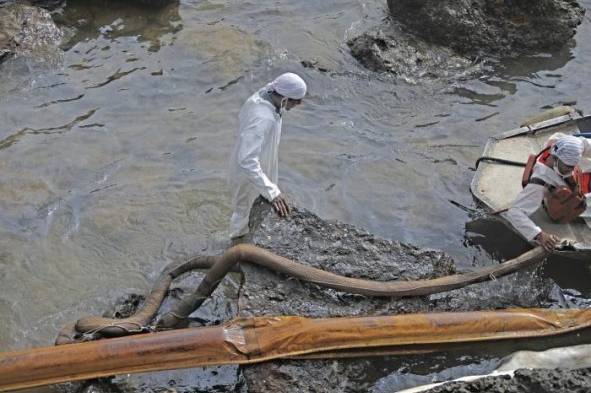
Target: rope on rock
point(88, 328)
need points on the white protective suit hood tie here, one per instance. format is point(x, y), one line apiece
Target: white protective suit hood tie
point(289, 85)
point(568, 149)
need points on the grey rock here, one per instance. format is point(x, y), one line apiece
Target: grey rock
point(485, 27)
point(389, 49)
point(336, 247)
point(460, 39)
point(27, 30)
point(220, 307)
point(350, 251)
point(53, 5)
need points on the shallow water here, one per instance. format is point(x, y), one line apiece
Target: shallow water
point(113, 155)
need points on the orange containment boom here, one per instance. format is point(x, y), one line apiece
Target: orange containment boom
point(253, 340)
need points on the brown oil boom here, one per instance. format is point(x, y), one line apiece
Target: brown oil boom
point(253, 340)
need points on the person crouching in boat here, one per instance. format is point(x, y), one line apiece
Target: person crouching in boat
point(552, 179)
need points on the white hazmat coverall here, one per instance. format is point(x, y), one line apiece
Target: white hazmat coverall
point(254, 162)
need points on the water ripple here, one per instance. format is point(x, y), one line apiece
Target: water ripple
point(116, 76)
point(46, 104)
point(16, 136)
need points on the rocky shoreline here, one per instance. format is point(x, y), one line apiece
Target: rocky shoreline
point(422, 39)
point(353, 252)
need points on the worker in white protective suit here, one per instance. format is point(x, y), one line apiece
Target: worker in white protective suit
point(254, 161)
point(554, 168)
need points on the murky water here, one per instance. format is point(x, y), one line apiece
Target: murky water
point(113, 155)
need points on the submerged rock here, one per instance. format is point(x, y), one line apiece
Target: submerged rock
point(154, 3)
point(27, 30)
point(484, 27)
point(112, 19)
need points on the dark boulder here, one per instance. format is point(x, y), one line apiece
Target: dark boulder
point(353, 252)
point(392, 50)
point(497, 27)
point(342, 249)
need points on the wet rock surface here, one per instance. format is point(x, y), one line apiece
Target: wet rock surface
point(342, 249)
point(457, 39)
point(484, 27)
point(332, 246)
point(335, 247)
point(220, 307)
point(391, 50)
point(27, 27)
point(26, 30)
point(349, 251)
point(538, 381)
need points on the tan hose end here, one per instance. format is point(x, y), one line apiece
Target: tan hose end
point(68, 335)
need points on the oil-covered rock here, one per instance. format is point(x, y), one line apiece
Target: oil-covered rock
point(350, 251)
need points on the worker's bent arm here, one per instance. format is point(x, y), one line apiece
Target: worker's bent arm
point(527, 202)
point(251, 141)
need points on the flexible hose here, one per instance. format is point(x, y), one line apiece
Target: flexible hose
point(251, 254)
point(244, 253)
point(137, 323)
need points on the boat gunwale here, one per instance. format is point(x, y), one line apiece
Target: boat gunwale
point(535, 127)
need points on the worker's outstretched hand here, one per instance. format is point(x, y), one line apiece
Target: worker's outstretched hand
point(281, 206)
point(547, 240)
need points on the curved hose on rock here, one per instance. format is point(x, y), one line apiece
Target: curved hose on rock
point(137, 323)
point(244, 253)
point(252, 254)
